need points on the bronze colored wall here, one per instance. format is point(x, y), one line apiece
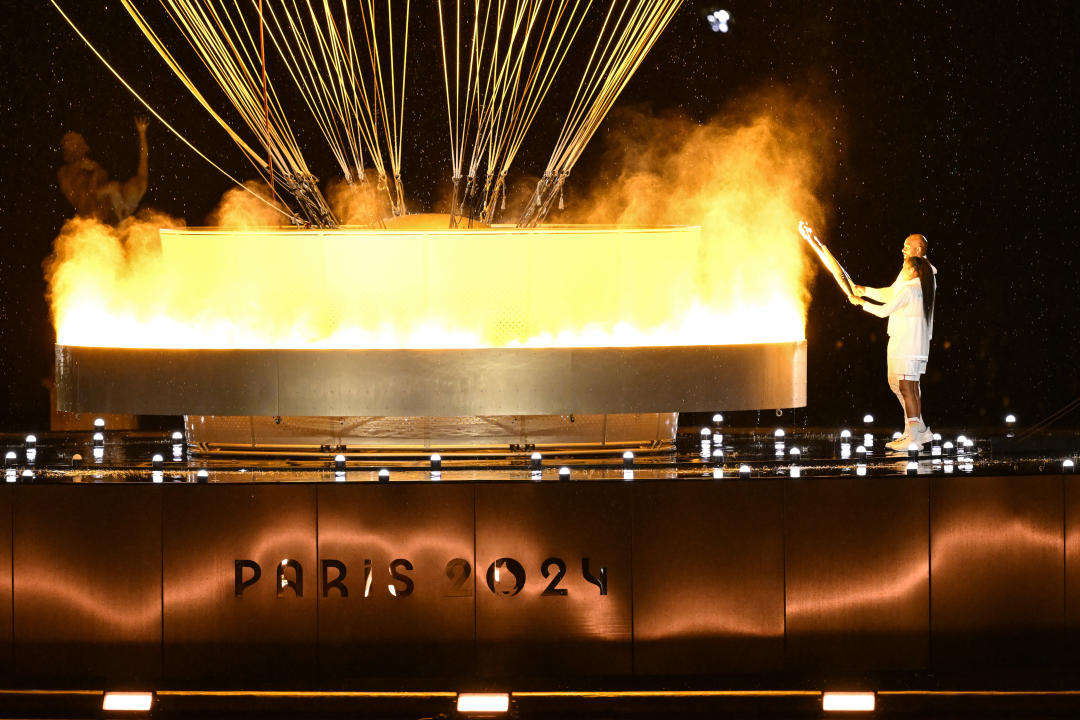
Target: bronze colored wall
point(586, 583)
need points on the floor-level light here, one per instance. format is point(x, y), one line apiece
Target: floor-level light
point(127, 701)
point(912, 468)
point(868, 419)
point(848, 702)
point(476, 703)
point(564, 473)
point(384, 475)
point(1068, 466)
point(744, 471)
point(203, 476)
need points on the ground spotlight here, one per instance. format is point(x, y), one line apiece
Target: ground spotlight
point(860, 453)
point(868, 419)
point(127, 701)
point(9, 459)
point(848, 702)
point(1010, 419)
point(868, 440)
point(99, 439)
point(535, 461)
point(478, 703)
point(948, 448)
point(339, 462)
point(99, 424)
point(203, 476)
point(1068, 466)
point(717, 419)
point(744, 471)
point(384, 475)
point(845, 435)
point(564, 473)
point(27, 475)
point(912, 468)
point(913, 451)
point(796, 456)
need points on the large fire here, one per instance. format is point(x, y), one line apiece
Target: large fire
point(735, 274)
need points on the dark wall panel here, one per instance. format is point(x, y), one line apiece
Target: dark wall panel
point(1072, 568)
point(87, 579)
point(581, 632)
point(708, 577)
point(997, 571)
point(267, 635)
point(7, 494)
point(424, 630)
point(858, 573)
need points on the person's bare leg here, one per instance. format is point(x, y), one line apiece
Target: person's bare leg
point(894, 385)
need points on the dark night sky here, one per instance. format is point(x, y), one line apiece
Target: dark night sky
point(956, 120)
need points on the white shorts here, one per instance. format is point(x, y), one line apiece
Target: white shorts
point(906, 368)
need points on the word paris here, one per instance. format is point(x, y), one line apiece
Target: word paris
point(505, 577)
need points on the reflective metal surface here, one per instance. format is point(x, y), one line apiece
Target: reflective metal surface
point(708, 577)
point(503, 381)
point(553, 579)
point(222, 432)
point(7, 493)
point(858, 573)
point(265, 635)
point(87, 584)
point(365, 628)
point(1072, 569)
point(997, 571)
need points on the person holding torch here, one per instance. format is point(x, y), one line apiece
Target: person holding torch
point(909, 305)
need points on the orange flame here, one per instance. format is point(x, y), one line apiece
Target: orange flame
point(738, 278)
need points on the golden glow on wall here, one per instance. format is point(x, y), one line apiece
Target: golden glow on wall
point(415, 284)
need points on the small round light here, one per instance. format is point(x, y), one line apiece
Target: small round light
point(913, 450)
point(845, 434)
point(868, 419)
point(913, 468)
point(27, 475)
point(99, 424)
point(717, 419)
point(31, 441)
point(535, 460)
point(99, 439)
point(1068, 466)
point(177, 436)
point(564, 473)
point(384, 475)
point(706, 433)
point(744, 471)
point(9, 459)
point(628, 459)
point(860, 452)
point(961, 440)
point(436, 461)
point(718, 473)
point(868, 439)
point(948, 447)
point(860, 470)
point(157, 462)
point(339, 462)
point(778, 433)
point(896, 435)
point(1010, 419)
point(795, 453)
point(202, 476)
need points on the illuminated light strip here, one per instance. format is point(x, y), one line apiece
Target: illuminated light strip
point(666, 693)
point(307, 694)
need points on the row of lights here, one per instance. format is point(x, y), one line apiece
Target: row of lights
point(493, 703)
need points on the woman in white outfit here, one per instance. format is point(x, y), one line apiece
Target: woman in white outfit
point(910, 311)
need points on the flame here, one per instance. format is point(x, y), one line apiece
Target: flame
point(737, 276)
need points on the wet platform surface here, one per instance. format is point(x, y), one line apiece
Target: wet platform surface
point(722, 452)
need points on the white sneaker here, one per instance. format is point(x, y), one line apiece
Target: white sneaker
point(924, 436)
point(900, 444)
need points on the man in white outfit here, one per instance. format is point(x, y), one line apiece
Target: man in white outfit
point(914, 246)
